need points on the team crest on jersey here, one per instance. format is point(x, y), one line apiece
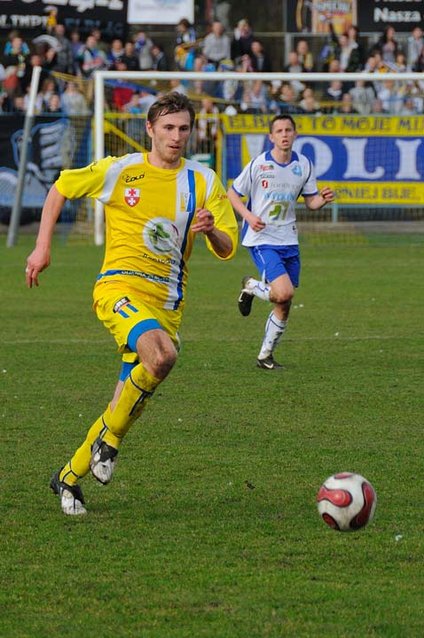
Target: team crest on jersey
point(132, 196)
point(296, 170)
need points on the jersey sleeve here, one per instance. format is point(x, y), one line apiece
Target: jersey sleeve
point(225, 220)
point(84, 182)
point(243, 182)
point(310, 186)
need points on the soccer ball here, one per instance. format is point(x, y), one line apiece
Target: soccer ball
point(346, 501)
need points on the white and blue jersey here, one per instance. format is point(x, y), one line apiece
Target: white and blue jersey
point(272, 190)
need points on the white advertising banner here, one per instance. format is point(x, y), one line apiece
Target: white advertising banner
point(159, 11)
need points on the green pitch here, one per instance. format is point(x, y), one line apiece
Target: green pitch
point(209, 528)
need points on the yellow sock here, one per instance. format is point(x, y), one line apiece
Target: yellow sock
point(138, 388)
point(113, 425)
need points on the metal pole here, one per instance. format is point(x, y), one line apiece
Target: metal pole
point(15, 216)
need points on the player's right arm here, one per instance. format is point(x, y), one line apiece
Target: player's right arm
point(39, 259)
point(237, 203)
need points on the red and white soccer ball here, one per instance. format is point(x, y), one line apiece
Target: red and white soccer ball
point(346, 501)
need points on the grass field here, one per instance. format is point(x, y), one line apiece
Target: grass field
point(210, 528)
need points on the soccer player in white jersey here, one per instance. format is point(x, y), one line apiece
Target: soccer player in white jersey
point(155, 204)
point(272, 183)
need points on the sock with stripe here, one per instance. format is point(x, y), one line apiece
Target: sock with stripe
point(274, 330)
point(113, 425)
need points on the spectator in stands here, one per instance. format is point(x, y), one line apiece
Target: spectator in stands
point(388, 45)
point(216, 45)
point(122, 90)
point(245, 64)
point(129, 57)
point(15, 61)
point(363, 96)
point(286, 101)
point(91, 58)
point(294, 66)
point(115, 53)
point(54, 105)
point(356, 58)
point(76, 46)
point(346, 105)
point(308, 103)
point(255, 97)
point(36, 59)
point(18, 104)
point(334, 90)
point(48, 88)
point(146, 99)
point(305, 56)
point(160, 61)
point(415, 47)
point(241, 43)
point(390, 96)
point(230, 90)
point(73, 101)
point(64, 62)
point(185, 46)
point(207, 125)
point(178, 87)
point(101, 45)
point(143, 48)
point(12, 45)
point(400, 63)
point(260, 58)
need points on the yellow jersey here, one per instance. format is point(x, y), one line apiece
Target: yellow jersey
point(148, 214)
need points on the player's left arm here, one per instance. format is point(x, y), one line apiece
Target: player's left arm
point(317, 201)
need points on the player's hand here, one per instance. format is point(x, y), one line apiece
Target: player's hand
point(204, 221)
point(327, 194)
point(37, 261)
point(255, 223)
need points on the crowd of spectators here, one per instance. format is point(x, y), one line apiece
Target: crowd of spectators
point(68, 63)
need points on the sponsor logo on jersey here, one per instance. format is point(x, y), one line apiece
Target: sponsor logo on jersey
point(265, 183)
point(161, 236)
point(132, 196)
point(119, 304)
point(132, 178)
point(266, 167)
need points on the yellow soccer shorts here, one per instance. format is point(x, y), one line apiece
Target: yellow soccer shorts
point(127, 315)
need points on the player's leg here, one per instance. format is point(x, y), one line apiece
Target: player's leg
point(151, 353)
point(251, 287)
point(281, 293)
point(282, 268)
point(156, 355)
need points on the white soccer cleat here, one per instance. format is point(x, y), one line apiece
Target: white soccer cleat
point(71, 496)
point(103, 460)
point(71, 506)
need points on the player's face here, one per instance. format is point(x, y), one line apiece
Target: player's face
point(169, 135)
point(283, 135)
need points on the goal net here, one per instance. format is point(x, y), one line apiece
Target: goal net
point(363, 132)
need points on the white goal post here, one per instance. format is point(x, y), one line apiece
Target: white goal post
point(102, 77)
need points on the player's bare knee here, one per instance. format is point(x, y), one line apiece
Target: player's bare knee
point(163, 361)
point(282, 297)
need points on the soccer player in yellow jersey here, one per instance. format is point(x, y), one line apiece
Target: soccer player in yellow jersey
point(155, 204)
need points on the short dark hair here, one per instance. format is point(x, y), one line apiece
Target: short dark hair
point(173, 102)
point(281, 116)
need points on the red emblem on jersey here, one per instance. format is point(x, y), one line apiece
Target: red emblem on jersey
point(265, 183)
point(132, 196)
